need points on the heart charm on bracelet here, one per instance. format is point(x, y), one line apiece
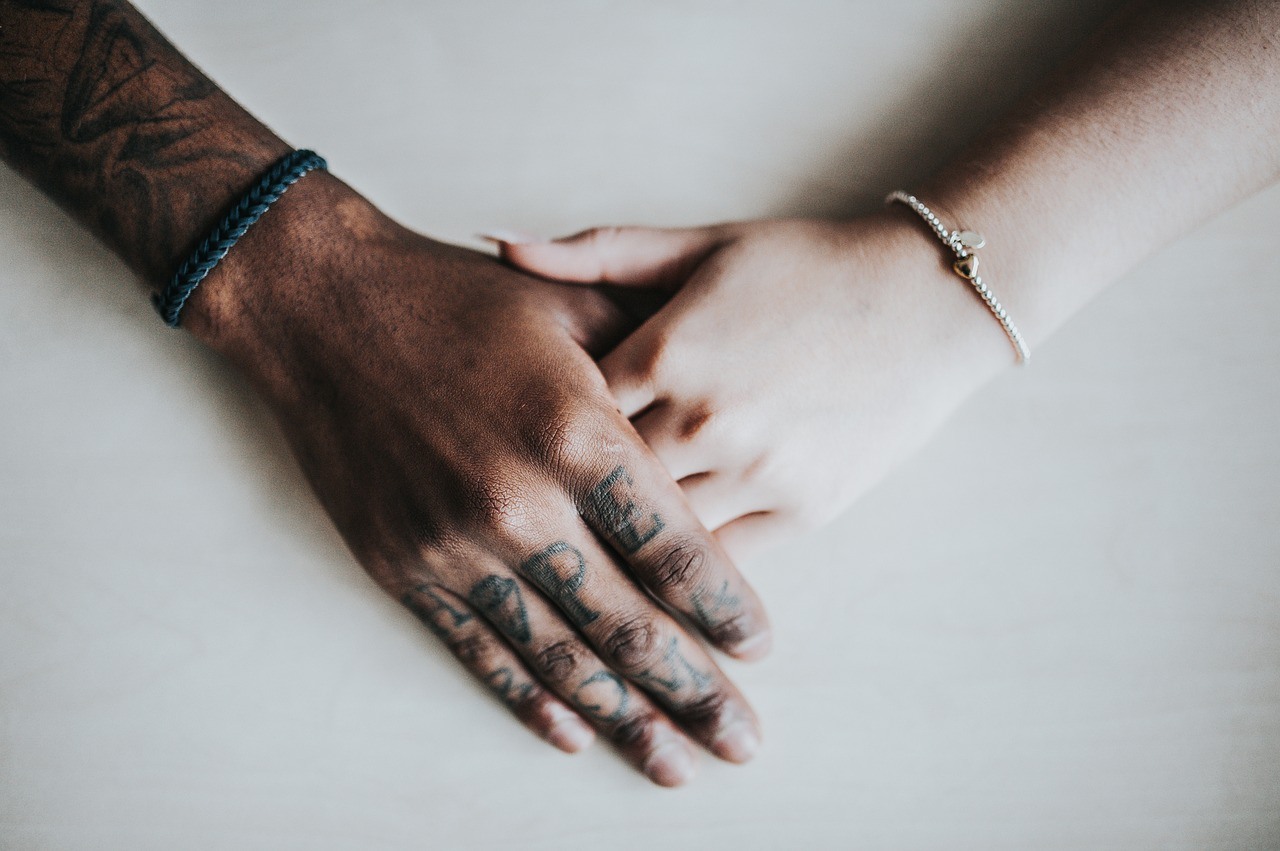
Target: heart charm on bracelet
point(967, 266)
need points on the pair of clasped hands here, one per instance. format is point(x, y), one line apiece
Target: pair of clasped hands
point(560, 491)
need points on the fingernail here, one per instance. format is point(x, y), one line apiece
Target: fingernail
point(670, 765)
point(568, 732)
point(755, 647)
point(509, 237)
point(737, 743)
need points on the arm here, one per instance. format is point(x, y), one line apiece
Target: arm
point(798, 361)
point(446, 410)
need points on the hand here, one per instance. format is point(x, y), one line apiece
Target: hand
point(795, 363)
point(450, 418)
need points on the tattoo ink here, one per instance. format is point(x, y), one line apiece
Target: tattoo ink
point(717, 608)
point(500, 599)
point(616, 514)
point(503, 683)
point(106, 116)
point(603, 696)
point(559, 570)
point(678, 668)
point(434, 609)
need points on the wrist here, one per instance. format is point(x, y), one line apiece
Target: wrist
point(952, 331)
point(277, 273)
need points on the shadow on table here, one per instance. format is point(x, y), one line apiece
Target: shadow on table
point(995, 56)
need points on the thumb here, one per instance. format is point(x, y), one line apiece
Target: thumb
point(630, 256)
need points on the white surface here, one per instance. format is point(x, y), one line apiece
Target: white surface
point(1059, 627)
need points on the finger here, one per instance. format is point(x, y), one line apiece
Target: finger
point(571, 669)
point(486, 655)
point(636, 507)
point(630, 383)
point(718, 498)
point(624, 256)
point(633, 637)
point(747, 538)
point(668, 431)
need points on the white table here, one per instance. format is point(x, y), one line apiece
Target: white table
point(1058, 627)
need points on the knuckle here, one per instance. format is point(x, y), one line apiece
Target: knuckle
point(707, 711)
point(472, 649)
point(565, 431)
point(695, 422)
point(499, 505)
point(425, 533)
point(731, 630)
point(559, 661)
point(651, 361)
point(680, 566)
point(563, 438)
point(632, 644)
point(634, 730)
point(526, 700)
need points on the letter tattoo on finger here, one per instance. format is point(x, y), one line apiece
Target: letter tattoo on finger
point(676, 672)
point(613, 511)
point(560, 570)
point(603, 696)
point(430, 603)
point(500, 599)
point(503, 683)
point(717, 608)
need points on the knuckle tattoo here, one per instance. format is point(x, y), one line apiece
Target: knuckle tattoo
point(603, 696)
point(614, 512)
point(560, 570)
point(431, 604)
point(507, 685)
point(500, 599)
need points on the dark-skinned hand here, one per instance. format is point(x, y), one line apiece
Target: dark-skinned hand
point(448, 412)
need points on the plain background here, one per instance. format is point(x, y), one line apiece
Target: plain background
point(1057, 627)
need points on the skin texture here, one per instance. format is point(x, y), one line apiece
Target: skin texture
point(446, 409)
point(797, 362)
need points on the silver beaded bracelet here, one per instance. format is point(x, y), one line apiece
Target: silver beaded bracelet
point(963, 243)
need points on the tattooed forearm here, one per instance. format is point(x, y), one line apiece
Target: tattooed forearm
point(614, 512)
point(560, 570)
point(108, 118)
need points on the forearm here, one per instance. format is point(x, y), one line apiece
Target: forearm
point(1168, 116)
point(100, 111)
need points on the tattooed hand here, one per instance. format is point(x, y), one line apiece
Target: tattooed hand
point(449, 415)
point(446, 409)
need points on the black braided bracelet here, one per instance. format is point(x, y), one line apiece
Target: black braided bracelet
point(286, 172)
